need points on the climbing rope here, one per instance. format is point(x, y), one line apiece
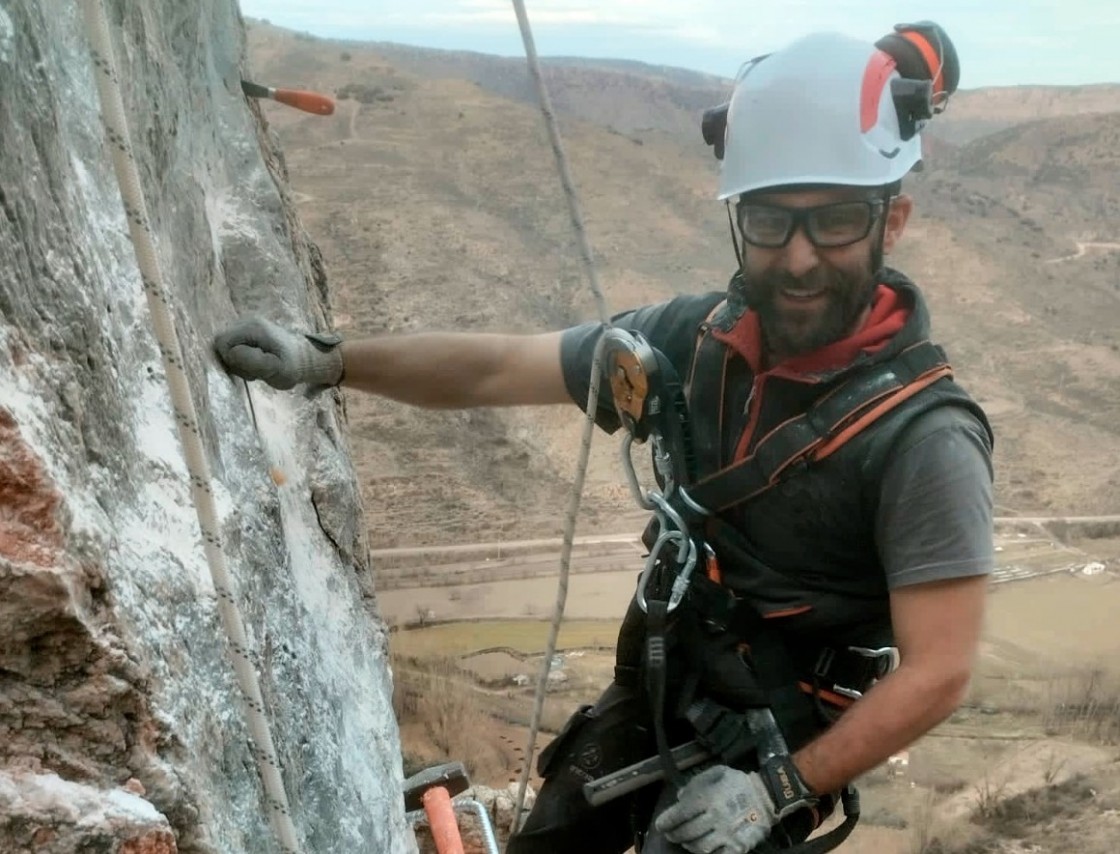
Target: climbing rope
point(592, 397)
point(128, 180)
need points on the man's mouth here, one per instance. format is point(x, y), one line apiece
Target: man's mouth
point(800, 295)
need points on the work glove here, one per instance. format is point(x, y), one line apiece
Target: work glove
point(258, 349)
point(720, 810)
point(725, 811)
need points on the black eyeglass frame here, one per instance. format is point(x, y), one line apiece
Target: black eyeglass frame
point(801, 218)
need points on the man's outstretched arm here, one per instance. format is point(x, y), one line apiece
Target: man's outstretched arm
point(436, 370)
point(453, 370)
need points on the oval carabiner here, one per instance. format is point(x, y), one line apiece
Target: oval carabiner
point(687, 547)
point(651, 563)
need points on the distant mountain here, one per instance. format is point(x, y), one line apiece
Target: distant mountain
point(680, 76)
point(623, 95)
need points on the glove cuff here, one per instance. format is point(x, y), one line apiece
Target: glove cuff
point(326, 368)
point(785, 785)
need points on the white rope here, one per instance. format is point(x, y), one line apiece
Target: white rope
point(592, 398)
point(128, 179)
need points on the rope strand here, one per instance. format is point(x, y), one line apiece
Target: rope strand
point(592, 398)
point(136, 212)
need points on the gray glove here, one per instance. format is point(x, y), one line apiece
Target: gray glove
point(720, 811)
point(257, 349)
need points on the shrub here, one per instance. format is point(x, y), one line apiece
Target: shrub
point(364, 94)
point(1085, 701)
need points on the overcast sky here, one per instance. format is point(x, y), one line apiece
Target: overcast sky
point(1000, 42)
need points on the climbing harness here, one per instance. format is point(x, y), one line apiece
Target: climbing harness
point(651, 404)
point(190, 435)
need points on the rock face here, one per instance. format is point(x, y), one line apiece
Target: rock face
point(121, 724)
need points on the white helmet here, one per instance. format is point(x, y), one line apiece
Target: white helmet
point(820, 111)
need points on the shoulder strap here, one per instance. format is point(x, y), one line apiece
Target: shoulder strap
point(832, 420)
point(704, 391)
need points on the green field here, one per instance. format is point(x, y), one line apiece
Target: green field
point(524, 636)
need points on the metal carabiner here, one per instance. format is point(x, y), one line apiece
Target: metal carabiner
point(667, 513)
point(651, 563)
point(688, 555)
point(640, 495)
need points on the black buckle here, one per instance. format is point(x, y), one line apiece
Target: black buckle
point(861, 670)
point(884, 659)
point(887, 658)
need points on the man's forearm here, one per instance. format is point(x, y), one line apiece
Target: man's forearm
point(439, 370)
point(450, 370)
point(890, 717)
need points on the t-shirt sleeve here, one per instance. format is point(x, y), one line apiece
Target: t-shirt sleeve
point(934, 520)
point(670, 326)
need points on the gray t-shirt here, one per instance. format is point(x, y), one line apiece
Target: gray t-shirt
point(934, 519)
point(935, 502)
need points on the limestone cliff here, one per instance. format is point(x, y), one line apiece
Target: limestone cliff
point(121, 725)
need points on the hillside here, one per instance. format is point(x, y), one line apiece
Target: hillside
point(630, 95)
point(434, 198)
point(626, 96)
point(1031, 320)
point(437, 205)
point(978, 112)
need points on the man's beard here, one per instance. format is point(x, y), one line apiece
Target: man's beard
point(788, 331)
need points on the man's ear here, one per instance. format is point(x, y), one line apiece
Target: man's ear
point(898, 214)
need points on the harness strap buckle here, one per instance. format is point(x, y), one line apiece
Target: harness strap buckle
point(884, 660)
point(888, 657)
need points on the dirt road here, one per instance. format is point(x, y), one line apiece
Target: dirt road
point(497, 548)
point(1082, 249)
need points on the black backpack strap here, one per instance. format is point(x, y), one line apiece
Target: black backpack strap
point(831, 421)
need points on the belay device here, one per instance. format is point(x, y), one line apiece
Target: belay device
point(650, 402)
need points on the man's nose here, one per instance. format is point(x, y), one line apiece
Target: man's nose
point(800, 254)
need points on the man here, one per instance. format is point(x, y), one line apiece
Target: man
point(847, 476)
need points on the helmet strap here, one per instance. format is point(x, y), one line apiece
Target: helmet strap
point(877, 250)
point(734, 236)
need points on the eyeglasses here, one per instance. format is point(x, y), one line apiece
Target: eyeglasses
point(827, 226)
